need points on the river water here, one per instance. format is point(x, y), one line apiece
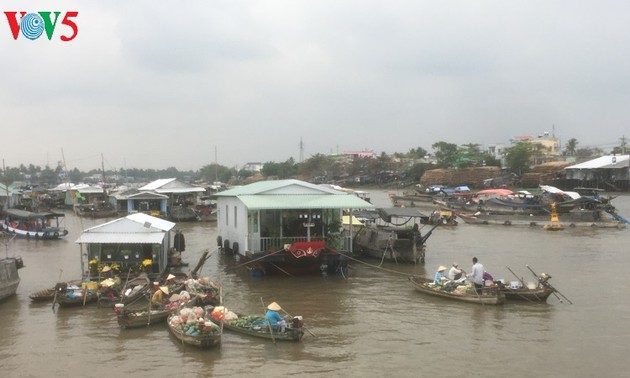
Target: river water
point(370, 323)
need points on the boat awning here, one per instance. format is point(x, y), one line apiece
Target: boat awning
point(304, 201)
point(23, 214)
point(121, 238)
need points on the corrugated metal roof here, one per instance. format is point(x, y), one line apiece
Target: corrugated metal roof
point(134, 228)
point(192, 189)
point(277, 187)
point(156, 184)
point(309, 201)
point(119, 238)
point(620, 161)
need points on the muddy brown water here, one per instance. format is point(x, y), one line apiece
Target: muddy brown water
point(370, 323)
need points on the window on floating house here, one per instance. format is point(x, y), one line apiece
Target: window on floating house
point(227, 215)
point(235, 214)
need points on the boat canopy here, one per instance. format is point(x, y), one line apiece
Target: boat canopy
point(23, 214)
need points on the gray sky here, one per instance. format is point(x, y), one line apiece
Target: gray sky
point(155, 84)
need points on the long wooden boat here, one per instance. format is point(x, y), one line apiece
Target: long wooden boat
point(145, 315)
point(29, 225)
point(9, 277)
point(487, 297)
point(568, 220)
point(208, 337)
point(46, 295)
point(256, 326)
point(132, 291)
point(75, 295)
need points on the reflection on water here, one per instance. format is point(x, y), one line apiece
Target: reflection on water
point(368, 324)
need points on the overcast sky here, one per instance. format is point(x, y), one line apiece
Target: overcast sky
point(157, 84)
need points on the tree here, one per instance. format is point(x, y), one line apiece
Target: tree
point(570, 148)
point(517, 157)
point(445, 153)
point(417, 153)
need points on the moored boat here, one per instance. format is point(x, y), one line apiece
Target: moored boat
point(144, 314)
point(462, 293)
point(29, 225)
point(134, 289)
point(9, 277)
point(388, 234)
point(75, 295)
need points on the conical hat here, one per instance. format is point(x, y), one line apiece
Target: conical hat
point(274, 306)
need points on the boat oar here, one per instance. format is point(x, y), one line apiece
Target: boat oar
point(55, 296)
point(522, 283)
point(517, 277)
point(307, 330)
point(268, 321)
point(546, 283)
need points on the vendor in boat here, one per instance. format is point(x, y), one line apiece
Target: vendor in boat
point(276, 321)
point(111, 283)
point(439, 275)
point(476, 276)
point(160, 296)
point(455, 273)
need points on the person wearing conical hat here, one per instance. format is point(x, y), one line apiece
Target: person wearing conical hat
point(439, 275)
point(276, 321)
point(159, 295)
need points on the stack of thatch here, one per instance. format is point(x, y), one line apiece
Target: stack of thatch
point(463, 176)
point(544, 173)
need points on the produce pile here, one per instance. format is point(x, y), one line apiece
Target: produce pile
point(194, 322)
point(204, 289)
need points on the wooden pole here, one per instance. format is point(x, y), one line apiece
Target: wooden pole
point(546, 283)
point(56, 291)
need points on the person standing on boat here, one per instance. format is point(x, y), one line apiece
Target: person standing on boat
point(274, 318)
point(416, 235)
point(476, 275)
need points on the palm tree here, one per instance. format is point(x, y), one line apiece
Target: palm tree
point(571, 147)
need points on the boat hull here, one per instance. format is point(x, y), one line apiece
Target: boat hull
point(300, 259)
point(9, 277)
point(389, 244)
point(487, 297)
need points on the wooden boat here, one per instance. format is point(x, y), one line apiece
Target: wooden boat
point(207, 335)
point(9, 277)
point(256, 326)
point(530, 291)
point(537, 294)
point(489, 296)
point(205, 291)
point(28, 225)
point(132, 291)
point(142, 315)
point(387, 235)
point(75, 295)
point(46, 295)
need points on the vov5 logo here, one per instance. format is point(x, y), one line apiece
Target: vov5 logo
point(32, 25)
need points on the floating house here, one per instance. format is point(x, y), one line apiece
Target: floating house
point(134, 244)
point(286, 226)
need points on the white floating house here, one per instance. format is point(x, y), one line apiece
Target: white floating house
point(136, 243)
